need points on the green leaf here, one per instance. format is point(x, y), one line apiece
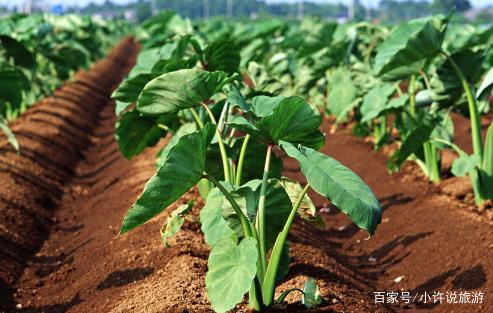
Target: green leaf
point(4, 126)
point(397, 103)
point(232, 269)
point(222, 55)
point(135, 132)
point(180, 171)
point(338, 183)
point(130, 88)
point(184, 129)
point(412, 143)
point(183, 89)
point(277, 207)
point(292, 120)
point(213, 224)
point(311, 294)
point(486, 85)
point(465, 164)
point(411, 42)
point(375, 101)
point(121, 106)
point(444, 130)
point(470, 62)
point(263, 106)
point(343, 94)
point(166, 66)
point(12, 83)
point(18, 51)
point(174, 223)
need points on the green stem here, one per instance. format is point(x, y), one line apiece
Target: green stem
point(412, 96)
point(243, 220)
point(224, 156)
point(431, 160)
point(269, 285)
point(197, 119)
point(477, 141)
point(241, 159)
point(255, 295)
point(261, 210)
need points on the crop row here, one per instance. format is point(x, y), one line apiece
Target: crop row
point(38, 53)
point(225, 126)
point(228, 95)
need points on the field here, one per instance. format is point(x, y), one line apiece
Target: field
point(269, 165)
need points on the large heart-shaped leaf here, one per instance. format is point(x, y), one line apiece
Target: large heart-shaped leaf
point(175, 91)
point(470, 62)
point(232, 269)
point(375, 100)
point(130, 88)
point(343, 94)
point(16, 50)
point(411, 42)
point(292, 119)
point(180, 171)
point(222, 55)
point(338, 183)
point(213, 224)
point(135, 132)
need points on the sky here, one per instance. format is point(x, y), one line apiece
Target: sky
point(475, 3)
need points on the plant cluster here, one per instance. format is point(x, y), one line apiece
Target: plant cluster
point(406, 88)
point(226, 118)
point(38, 53)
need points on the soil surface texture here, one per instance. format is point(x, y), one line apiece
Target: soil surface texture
point(64, 196)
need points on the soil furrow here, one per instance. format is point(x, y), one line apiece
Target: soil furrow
point(53, 138)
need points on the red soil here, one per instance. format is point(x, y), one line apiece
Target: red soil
point(64, 197)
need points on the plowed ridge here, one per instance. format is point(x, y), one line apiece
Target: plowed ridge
point(54, 136)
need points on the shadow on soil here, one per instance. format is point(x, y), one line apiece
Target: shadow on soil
point(466, 280)
point(124, 277)
point(49, 264)
point(55, 308)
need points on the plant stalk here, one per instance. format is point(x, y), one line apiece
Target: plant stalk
point(261, 210)
point(269, 285)
point(477, 141)
point(412, 96)
point(241, 159)
point(431, 160)
point(196, 117)
point(224, 155)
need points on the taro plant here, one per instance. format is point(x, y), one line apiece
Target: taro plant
point(246, 218)
point(406, 54)
point(412, 52)
point(479, 164)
